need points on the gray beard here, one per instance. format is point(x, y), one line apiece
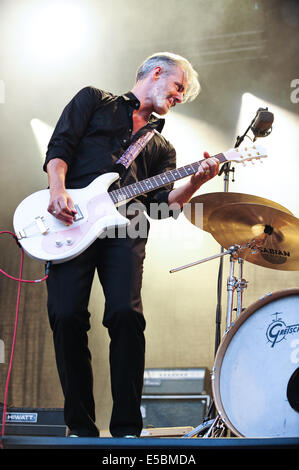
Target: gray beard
point(160, 95)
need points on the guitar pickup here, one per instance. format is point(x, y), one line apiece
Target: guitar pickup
point(79, 215)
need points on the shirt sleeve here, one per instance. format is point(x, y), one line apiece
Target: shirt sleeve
point(71, 125)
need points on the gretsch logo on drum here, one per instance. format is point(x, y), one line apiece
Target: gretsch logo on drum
point(278, 330)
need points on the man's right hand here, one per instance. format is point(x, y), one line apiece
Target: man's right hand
point(61, 206)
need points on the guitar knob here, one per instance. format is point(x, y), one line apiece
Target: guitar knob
point(58, 243)
point(69, 241)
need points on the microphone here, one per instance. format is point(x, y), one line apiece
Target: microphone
point(262, 124)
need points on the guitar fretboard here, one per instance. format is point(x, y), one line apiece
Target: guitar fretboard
point(157, 181)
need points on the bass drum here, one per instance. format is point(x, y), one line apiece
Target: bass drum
point(255, 379)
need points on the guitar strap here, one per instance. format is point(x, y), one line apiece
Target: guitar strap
point(134, 149)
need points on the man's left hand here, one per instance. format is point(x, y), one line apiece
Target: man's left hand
point(206, 171)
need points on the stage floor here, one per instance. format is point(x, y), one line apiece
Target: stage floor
point(41, 442)
point(89, 453)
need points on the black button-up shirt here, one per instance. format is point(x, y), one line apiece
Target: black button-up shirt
point(93, 131)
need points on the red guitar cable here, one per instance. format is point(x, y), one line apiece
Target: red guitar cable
point(20, 281)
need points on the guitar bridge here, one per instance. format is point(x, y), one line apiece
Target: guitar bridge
point(21, 234)
point(38, 222)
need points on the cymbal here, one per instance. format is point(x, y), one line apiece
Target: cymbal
point(201, 207)
point(271, 233)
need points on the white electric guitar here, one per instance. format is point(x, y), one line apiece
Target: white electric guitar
point(45, 238)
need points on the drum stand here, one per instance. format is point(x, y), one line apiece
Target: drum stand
point(216, 427)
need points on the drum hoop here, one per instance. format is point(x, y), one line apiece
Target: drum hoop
point(226, 341)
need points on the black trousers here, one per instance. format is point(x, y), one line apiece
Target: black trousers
point(119, 263)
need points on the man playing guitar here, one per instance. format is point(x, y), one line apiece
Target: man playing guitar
point(94, 130)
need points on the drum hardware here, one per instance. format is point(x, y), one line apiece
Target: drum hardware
point(260, 128)
point(267, 236)
point(216, 427)
point(241, 285)
point(209, 258)
point(233, 284)
point(198, 213)
point(212, 428)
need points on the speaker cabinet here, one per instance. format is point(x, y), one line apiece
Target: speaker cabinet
point(177, 381)
point(173, 410)
point(34, 422)
point(175, 397)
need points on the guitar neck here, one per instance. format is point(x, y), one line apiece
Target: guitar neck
point(158, 181)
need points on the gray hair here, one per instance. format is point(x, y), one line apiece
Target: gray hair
point(168, 61)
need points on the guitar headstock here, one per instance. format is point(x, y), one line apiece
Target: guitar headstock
point(246, 153)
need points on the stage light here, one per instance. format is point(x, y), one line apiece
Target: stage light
point(53, 31)
point(42, 133)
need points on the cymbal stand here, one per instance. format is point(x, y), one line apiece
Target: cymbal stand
point(215, 427)
point(231, 250)
point(242, 284)
point(235, 284)
point(226, 170)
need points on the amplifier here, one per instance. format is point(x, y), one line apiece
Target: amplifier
point(161, 411)
point(34, 421)
point(185, 381)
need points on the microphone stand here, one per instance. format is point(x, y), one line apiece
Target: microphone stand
point(226, 170)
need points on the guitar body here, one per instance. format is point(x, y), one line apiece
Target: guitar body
point(45, 238)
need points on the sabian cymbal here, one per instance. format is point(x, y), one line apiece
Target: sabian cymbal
point(272, 234)
point(200, 207)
